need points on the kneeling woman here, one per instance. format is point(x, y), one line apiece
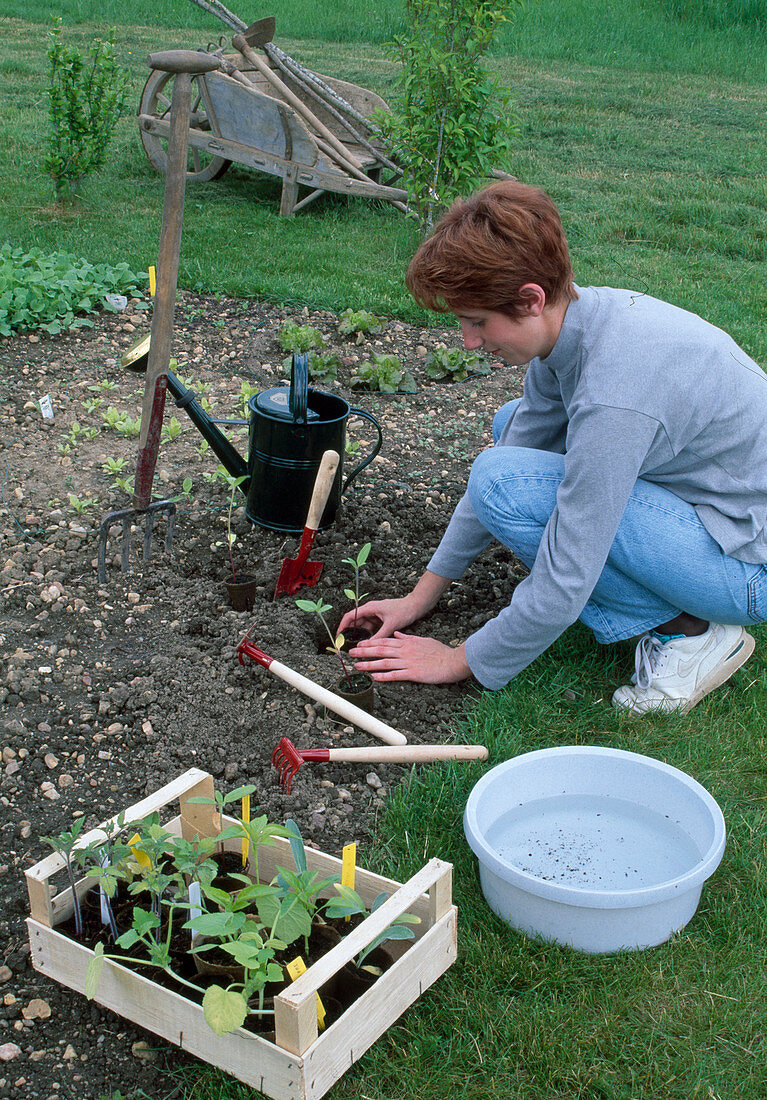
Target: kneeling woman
point(631, 477)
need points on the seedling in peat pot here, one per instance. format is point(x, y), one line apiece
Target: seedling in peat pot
point(298, 891)
point(354, 594)
point(336, 643)
point(233, 483)
point(66, 844)
point(350, 904)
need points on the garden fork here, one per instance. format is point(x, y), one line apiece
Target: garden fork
point(183, 64)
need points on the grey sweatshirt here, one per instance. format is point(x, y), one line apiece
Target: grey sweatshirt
point(633, 388)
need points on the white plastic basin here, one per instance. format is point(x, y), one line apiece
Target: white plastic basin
point(596, 848)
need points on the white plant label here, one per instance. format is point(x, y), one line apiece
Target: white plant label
point(46, 407)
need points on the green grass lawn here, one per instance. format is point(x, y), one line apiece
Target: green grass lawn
point(651, 135)
point(660, 172)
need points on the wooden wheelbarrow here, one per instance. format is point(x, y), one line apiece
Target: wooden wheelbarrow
point(264, 110)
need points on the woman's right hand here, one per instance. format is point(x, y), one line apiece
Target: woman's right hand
point(382, 617)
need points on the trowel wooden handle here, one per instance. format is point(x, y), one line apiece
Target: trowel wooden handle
point(409, 754)
point(322, 486)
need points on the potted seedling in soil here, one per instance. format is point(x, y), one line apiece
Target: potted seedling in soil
point(242, 586)
point(356, 687)
point(373, 960)
point(298, 894)
point(355, 633)
point(66, 845)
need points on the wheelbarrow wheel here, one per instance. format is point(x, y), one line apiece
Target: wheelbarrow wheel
point(155, 101)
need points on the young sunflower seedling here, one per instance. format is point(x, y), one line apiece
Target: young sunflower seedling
point(321, 609)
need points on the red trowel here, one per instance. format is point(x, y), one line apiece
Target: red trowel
point(299, 572)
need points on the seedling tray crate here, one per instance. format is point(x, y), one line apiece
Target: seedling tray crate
point(302, 1063)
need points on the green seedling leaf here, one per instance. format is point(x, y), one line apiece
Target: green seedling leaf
point(224, 1010)
point(93, 973)
point(216, 924)
point(128, 938)
point(296, 845)
point(286, 916)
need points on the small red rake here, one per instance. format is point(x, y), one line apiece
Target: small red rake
point(287, 759)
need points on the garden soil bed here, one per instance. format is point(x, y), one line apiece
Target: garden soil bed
point(109, 690)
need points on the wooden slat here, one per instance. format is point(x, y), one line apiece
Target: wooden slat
point(199, 820)
point(320, 175)
point(306, 986)
point(252, 118)
point(370, 1016)
point(441, 896)
point(253, 1060)
point(45, 869)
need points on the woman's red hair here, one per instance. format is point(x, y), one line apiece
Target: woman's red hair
point(488, 246)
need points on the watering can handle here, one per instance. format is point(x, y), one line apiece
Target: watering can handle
point(376, 447)
point(299, 387)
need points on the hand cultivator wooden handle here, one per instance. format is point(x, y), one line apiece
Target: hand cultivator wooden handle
point(321, 695)
point(287, 759)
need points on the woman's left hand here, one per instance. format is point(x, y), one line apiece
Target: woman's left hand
point(408, 657)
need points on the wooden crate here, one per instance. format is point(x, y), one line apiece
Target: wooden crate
point(301, 1064)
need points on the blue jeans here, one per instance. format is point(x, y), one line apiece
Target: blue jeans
point(663, 560)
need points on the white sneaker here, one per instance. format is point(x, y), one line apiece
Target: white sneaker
point(675, 673)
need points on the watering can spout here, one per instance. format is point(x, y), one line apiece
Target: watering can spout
point(230, 458)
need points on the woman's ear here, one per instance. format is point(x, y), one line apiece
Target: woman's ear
point(533, 298)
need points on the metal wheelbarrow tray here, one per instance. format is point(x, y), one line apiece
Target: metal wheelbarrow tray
point(257, 127)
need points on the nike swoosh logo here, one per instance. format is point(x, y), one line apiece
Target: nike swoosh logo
point(686, 667)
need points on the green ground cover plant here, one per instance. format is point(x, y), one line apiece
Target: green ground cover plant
point(53, 290)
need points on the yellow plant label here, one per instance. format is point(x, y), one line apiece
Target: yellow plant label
point(139, 854)
point(348, 867)
point(152, 281)
point(295, 969)
point(245, 819)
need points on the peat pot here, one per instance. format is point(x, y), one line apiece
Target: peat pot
point(242, 591)
point(361, 691)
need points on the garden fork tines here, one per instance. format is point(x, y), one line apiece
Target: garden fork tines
point(127, 517)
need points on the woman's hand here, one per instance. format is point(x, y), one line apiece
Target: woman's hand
point(381, 617)
point(407, 657)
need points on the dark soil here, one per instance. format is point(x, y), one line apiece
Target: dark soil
point(109, 691)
